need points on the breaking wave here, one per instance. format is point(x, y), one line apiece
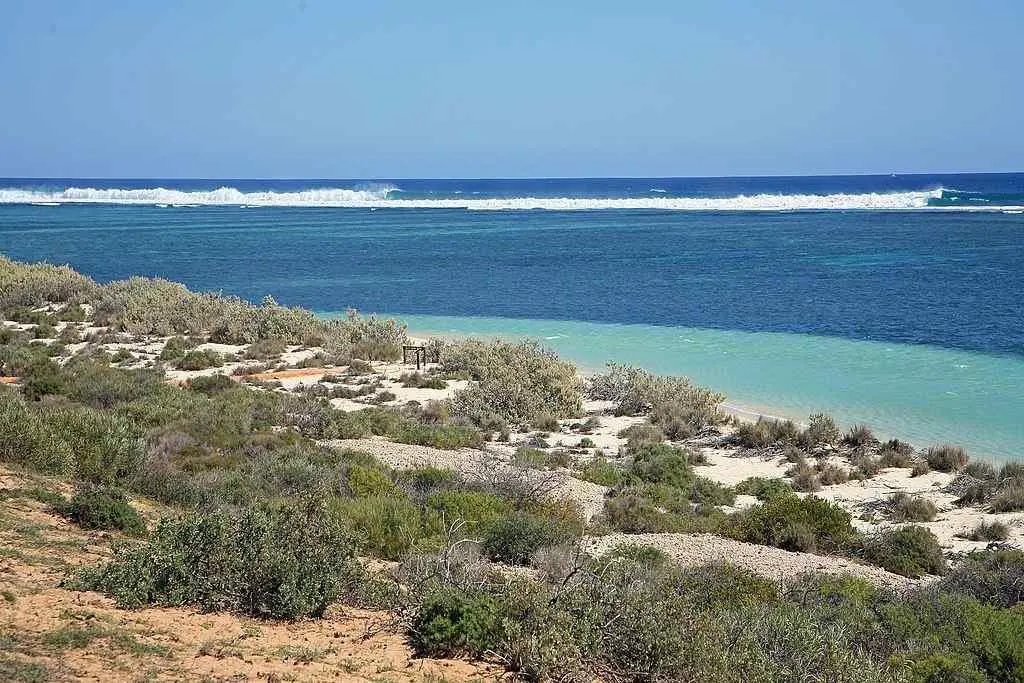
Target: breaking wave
point(392, 197)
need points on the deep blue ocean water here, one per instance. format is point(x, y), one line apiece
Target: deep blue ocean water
point(894, 299)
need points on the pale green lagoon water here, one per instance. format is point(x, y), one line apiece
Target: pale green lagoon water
point(923, 394)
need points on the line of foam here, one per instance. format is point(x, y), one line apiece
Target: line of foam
point(380, 198)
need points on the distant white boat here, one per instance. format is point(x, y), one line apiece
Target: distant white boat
point(45, 203)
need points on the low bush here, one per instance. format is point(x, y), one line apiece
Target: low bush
point(989, 531)
point(821, 431)
point(265, 349)
point(600, 471)
point(514, 538)
point(763, 488)
point(830, 474)
point(859, 436)
point(946, 458)
point(416, 380)
point(919, 468)
point(199, 360)
point(515, 383)
point(994, 578)
point(911, 551)
point(1009, 497)
point(211, 384)
point(1010, 471)
point(103, 508)
point(903, 507)
point(176, 347)
point(766, 432)
point(661, 464)
point(896, 453)
point(368, 482)
point(673, 403)
point(384, 526)
point(277, 563)
point(807, 524)
point(35, 284)
point(456, 623)
point(804, 477)
point(477, 509)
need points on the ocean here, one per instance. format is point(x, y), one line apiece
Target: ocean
point(895, 300)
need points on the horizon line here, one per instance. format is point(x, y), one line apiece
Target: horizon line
point(501, 178)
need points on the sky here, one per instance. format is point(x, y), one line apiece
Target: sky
point(391, 89)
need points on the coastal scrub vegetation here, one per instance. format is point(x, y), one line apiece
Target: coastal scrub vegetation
point(157, 307)
point(679, 407)
point(513, 384)
point(258, 511)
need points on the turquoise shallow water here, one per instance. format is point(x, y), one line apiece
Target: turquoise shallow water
point(923, 394)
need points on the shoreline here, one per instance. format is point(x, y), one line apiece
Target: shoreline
point(924, 394)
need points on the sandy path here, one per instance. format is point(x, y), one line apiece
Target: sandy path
point(772, 563)
point(469, 463)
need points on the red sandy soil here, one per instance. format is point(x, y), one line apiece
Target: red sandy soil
point(63, 634)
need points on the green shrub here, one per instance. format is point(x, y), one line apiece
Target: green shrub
point(91, 445)
point(639, 434)
point(896, 453)
point(384, 526)
point(634, 513)
point(644, 555)
point(600, 471)
point(545, 422)
point(477, 508)
point(946, 458)
point(265, 349)
point(368, 482)
point(821, 431)
point(426, 480)
point(35, 284)
point(807, 524)
point(280, 563)
point(762, 488)
point(990, 531)
point(723, 586)
point(176, 347)
point(514, 383)
point(44, 330)
point(27, 439)
point(211, 384)
point(940, 668)
point(101, 386)
point(1010, 471)
point(199, 360)
point(994, 578)
point(859, 436)
point(707, 492)
point(42, 378)
point(909, 551)
point(659, 463)
point(416, 380)
point(514, 538)
point(804, 477)
point(103, 508)
point(1009, 498)
point(451, 623)
point(673, 403)
point(767, 432)
point(904, 507)
point(72, 313)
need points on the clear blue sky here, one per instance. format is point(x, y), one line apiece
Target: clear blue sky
point(325, 88)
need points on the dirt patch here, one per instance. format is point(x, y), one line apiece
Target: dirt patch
point(48, 632)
